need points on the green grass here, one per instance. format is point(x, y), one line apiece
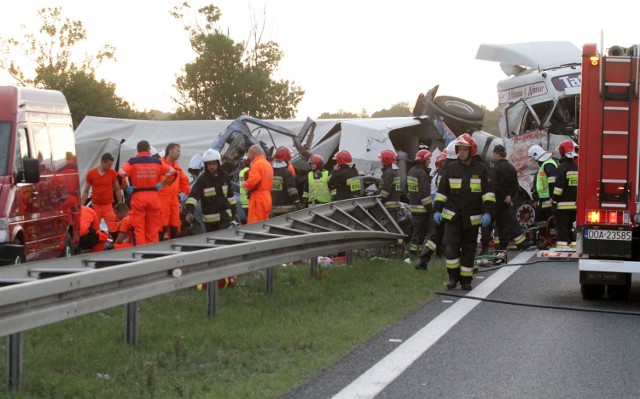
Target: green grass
point(257, 346)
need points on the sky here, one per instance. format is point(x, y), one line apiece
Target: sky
point(345, 54)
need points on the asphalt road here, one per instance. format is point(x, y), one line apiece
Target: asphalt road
point(533, 336)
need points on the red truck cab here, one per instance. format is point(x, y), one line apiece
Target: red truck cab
point(39, 182)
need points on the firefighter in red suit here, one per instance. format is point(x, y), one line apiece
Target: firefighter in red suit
point(147, 175)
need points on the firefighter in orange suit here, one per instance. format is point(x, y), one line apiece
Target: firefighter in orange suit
point(91, 237)
point(144, 173)
point(169, 194)
point(258, 185)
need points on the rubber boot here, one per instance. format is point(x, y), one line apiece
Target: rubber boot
point(425, 257)
point(465, 283)
point(454, 276)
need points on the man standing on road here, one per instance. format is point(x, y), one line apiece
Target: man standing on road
point(103, 182)
point(419, 193)
point(258, 185)
point(170, 194)
point(565, 193)
point(145, 173)
point(464, 201)
point(344, 181)
point(545, 181)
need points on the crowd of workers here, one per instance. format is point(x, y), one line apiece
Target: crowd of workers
point(449, 206)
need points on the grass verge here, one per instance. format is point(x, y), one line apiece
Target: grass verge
point(257, 346)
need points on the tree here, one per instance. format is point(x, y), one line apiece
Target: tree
point(398, 109)
point(342, 114)
point(228, 79)
point(490, 121)
point(55, 68)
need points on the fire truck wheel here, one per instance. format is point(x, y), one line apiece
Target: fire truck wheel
point(19, 256)
point(618, 292)
point(592, 291)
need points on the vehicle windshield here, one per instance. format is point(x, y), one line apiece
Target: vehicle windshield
point(5, 137)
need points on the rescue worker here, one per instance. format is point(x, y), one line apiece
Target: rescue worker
point(214, 192)
point(195, 168)
point(434, 243)
point(284, 194)
point(244, 195)
point(545, 181)
point(419, 193)
point(506, 186)
point(102, 181)
point(258, 185)
point(464, 202)
point(565, 193)
point(145, 173)
point(285, 156)
point(170, 194)
point(125, 237)
point(91, 237)
point(344, 181)
point(391, 186)
point(316, 188)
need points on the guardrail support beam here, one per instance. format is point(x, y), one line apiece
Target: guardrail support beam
point(131, 323)
point(14, 361)
point(212, 296)
point(271, 280)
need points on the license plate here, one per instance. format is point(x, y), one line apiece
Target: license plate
point(613, 235)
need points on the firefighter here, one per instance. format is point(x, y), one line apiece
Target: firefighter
point(506, 186)
point(103, 182)
point(284, 194)
point(170, 194)
point(213, 190)
point(434, 243)
point(344, 181)
point(391, 186)
point(464, 202)
point(316, 189)
point(258, 185)
point(91, 237)
point(145, 173)
point(565, 194)
point(244, 195)
point(419, 193)
point(545, 181)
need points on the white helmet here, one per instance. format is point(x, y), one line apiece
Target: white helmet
point(210, 155)
point(538, 153)
point(451, 150)
point(153, 151)
point(196, 162)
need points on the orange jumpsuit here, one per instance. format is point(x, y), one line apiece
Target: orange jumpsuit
point(169, 199)
point(125, 228)
point(102, 196)
point(144, 172)
point(258, 185)
point(90, 225)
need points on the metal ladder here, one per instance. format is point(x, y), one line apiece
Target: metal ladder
point(617, 98)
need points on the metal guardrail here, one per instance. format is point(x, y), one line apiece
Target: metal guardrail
point(42, 293)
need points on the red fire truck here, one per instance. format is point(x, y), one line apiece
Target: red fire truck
point(608, 206)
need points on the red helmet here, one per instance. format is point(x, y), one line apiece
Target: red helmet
point(423, 156)
point(343, 157)
point(283, 154)
point(466, 140)
point(440, 158)
point(317, 159)
point(567, 148)
point(387, 157)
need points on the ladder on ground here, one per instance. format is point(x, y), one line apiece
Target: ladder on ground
point(618, 90)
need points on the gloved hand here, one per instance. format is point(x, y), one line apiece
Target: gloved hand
point(129, 189)
point(159, 186)
point(189, 217)
point(437, 217)
point(485, 220)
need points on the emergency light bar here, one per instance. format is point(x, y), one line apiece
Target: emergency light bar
point(595, 216)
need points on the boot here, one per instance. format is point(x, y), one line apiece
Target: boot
point(465, 283)
point(425, 257)
point(527, 246)
point(454, 276)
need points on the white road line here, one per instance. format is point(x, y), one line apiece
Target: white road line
point(374, 380)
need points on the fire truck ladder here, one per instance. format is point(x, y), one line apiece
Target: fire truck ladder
point(617, 96)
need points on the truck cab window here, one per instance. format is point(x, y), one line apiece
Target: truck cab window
point(5, 139)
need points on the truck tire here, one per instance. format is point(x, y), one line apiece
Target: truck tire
point(20, 256)
point(618, 292)
point(461, 116)
point(592, 291)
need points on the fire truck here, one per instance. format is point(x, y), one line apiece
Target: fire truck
point(608, 211)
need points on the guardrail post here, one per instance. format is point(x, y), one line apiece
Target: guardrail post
point(132, 323)
point(14, 361)
point(314, 266)
point(349, 256)
point(271, 278)
point(212, 295)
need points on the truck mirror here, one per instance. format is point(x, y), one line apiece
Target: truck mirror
point(31, 170)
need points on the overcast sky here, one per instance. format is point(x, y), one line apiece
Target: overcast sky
point(345, 54)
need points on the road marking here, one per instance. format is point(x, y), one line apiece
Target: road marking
point(374, 380)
